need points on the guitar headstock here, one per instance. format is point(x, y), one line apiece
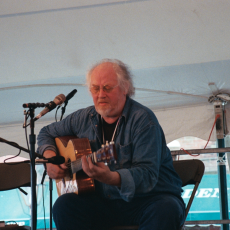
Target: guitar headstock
point(107, 154)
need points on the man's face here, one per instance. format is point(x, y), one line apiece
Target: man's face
point(108, 102)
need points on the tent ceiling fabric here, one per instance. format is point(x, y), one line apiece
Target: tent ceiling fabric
point(174, 48)
point(46, 39)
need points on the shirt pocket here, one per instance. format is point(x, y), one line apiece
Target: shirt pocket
point(124, 155)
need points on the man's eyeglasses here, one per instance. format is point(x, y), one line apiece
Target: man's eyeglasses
point(106, 88)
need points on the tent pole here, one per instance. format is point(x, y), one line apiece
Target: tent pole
point(219, 108)
point(223, 194)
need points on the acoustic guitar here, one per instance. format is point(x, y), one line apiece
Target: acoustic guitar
point(72, 149)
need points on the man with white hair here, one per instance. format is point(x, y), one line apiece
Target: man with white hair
point(142, 187)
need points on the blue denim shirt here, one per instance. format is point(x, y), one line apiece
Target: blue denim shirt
point(144, 161)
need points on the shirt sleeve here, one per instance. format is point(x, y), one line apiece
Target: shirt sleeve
point(47, 135)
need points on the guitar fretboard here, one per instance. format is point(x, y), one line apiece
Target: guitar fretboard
point(77, 165)
point(105, 154)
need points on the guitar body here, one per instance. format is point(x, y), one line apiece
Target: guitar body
point(72, 149)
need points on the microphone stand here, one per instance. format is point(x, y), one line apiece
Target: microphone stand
point(63, 109)
point(33, 155)
point(50, 192)
point(51, 198)
point(32, 138)
point(50, 179)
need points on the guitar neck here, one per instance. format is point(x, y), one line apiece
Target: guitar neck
point(106, 154)
point(77, 165)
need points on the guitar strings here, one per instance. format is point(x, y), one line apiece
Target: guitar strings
point(68, 164)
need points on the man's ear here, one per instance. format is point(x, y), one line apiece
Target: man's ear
point(126, 88)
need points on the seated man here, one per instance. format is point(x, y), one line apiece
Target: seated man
point(142, 187)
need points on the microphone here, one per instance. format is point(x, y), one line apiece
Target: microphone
point(33, 105)
point(58, 100)
point(56, 160)
point(70, 95)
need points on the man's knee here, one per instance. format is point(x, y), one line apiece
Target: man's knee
point(65, 203)
point(163, 213)
point(171, 206)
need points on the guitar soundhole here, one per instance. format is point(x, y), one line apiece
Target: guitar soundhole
point(69, 168)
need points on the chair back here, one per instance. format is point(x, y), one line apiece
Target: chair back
point(14, 175)
point(190, 172)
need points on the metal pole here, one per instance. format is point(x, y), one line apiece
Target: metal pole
point(219, 108)
point(222, 178)
point(33, 174)
point(51, 198)
point(200, 151)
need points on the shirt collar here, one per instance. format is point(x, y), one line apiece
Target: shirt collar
point(126, 110)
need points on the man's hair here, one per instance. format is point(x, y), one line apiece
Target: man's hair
point(124, 75)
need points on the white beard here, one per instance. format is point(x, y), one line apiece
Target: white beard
point(103, 112)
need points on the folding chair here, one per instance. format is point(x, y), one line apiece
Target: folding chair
point(190, 172)
point(14, 175)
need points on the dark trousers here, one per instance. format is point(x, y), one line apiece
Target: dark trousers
point(80, 212)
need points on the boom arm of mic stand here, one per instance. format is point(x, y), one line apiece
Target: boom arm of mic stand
point(18, 147)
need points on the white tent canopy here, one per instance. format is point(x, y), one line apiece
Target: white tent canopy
point(174, 48)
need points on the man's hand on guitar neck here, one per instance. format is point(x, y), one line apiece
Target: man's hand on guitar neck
point(100, 172)
point(54, 171)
